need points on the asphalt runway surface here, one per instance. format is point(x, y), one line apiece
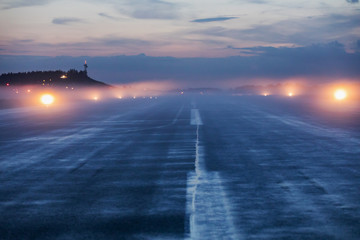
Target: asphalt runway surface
point(196, 167)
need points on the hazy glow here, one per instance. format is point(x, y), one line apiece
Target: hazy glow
point(47, 99)
point(290, 94)
point(340, 94)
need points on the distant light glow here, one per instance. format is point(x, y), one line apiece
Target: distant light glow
point(47, 99)
point(95, 98)
point(340, 94)
point(63, 76)
point(265, 94)
point(290, 94)
point(29, 90)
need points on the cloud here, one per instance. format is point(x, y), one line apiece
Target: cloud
point(150, 9)
point(107, 45)
point(352, 1)
point(66, 21)
point(217, 19)
point(26, 40)
point(258, 1)
point(320, 61)
point(305, 31)
point(108, 16)
point(9, 4)
point(310, 51)
point(119, 42)
point(99, 43)
point(356, 46)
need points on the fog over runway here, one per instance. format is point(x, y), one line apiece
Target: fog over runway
point(180, 167)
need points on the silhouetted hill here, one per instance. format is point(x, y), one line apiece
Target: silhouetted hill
point(57, 78)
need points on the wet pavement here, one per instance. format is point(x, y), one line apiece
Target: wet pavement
point(197, 167)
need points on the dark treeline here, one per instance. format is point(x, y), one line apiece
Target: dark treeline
point(50, 78)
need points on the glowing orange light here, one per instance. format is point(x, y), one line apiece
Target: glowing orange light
point(28, 90)
point(47, 99)
point(95, 98)
point(340, 94)
point(265, 94)
point(290, 94)
point(63, 76)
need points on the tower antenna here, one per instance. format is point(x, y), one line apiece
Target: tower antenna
point(85, 68)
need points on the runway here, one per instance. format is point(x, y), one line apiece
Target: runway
point(179, 167)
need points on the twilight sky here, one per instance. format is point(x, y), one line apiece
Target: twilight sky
point(186, 28)
point(248, 29)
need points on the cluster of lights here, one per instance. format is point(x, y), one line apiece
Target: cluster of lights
point(48, 99)
point(339, 94)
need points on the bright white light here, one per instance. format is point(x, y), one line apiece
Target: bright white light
point(340, 94)
point(290, 94)
point(47, 99)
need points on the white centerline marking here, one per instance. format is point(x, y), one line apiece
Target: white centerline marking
point(195, 117)
point(210, 215)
